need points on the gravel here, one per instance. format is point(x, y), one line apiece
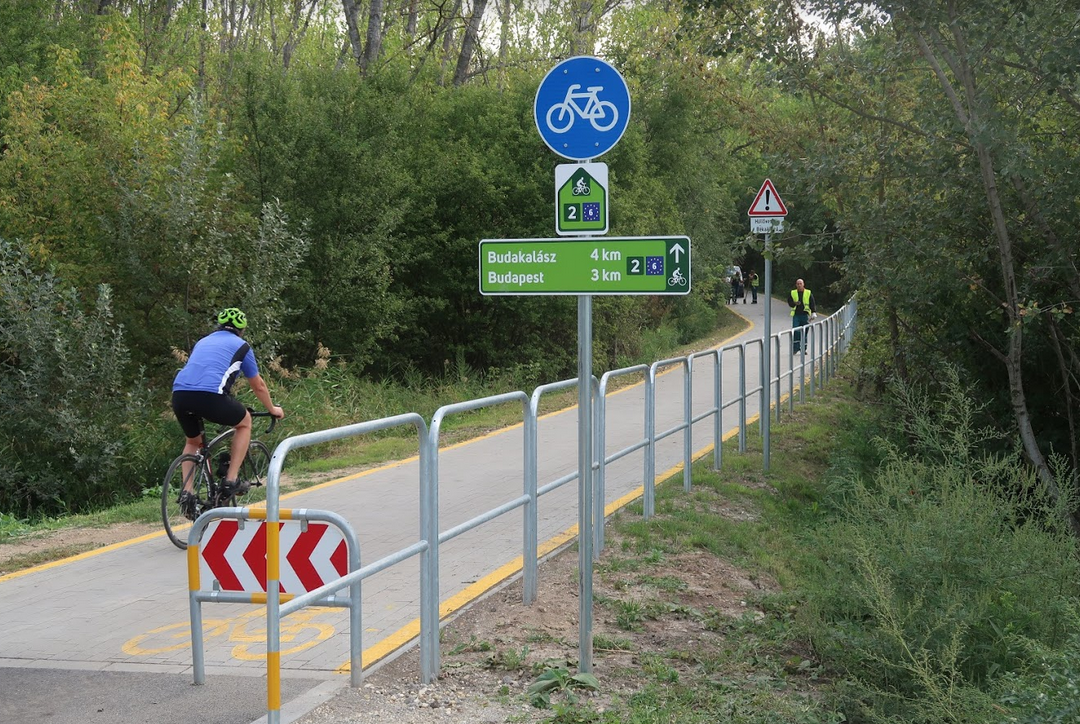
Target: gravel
point(394, 695)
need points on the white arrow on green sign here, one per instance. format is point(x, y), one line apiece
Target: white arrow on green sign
point(616, 265)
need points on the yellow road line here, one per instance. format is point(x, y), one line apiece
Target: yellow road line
point(463, 598)
point(81, 556)
point(336, 481)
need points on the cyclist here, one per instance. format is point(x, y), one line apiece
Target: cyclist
point(202, 391)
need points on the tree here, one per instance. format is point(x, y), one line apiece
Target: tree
point(996, 117)
point(353, 46)
point(468, 42)
point(299, 19)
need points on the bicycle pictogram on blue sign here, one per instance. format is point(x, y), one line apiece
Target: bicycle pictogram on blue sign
point(582, 108)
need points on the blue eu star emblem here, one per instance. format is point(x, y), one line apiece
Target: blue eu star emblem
point(654, 265)
point(590, 211)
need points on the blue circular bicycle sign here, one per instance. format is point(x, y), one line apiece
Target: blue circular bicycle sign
point(582, 107)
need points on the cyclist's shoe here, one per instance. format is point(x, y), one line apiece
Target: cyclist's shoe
point(189, 504)
point(234, 487)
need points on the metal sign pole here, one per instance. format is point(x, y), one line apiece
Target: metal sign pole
point(563, 127)
point(767, 213)
point(766, 352)
point(585, 482)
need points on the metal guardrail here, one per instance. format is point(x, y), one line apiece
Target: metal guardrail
point(828, 339)
point(274, 608)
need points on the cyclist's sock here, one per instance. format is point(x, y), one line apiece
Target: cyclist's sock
point(189, 505)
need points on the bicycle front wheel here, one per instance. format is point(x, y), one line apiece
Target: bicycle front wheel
point(184, 468)
point(256, 464)
point(605, 118)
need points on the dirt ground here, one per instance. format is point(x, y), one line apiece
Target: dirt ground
point(497, 647)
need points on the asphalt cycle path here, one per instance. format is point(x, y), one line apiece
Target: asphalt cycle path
point(110, 628)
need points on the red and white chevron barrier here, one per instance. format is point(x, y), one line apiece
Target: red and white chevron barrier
point(236, 557)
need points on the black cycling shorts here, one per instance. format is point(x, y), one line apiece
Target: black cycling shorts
point(192, 407)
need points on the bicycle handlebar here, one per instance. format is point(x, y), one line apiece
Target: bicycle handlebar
point(273, 420)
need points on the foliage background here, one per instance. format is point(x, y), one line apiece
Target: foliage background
point(331, 167)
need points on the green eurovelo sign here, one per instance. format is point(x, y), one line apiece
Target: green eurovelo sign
point(581, 199)
point(602, 265)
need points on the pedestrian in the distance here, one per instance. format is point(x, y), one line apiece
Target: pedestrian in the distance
point(801, 301)
point(754, 281)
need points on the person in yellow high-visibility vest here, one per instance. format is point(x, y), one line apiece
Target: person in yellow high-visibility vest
point(801, 301)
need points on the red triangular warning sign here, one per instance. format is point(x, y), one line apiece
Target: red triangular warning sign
point(767, 202)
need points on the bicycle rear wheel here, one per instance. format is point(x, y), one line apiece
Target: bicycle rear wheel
point(176, 523)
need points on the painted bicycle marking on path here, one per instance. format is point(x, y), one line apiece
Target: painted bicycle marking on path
point(298, 629)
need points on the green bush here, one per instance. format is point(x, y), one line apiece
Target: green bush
point(693, 318)
point(1047, 691)
point(74, 430)
point(657, 343)
point(936, 575)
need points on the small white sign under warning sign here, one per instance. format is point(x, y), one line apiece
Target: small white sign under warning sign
point(766, 224)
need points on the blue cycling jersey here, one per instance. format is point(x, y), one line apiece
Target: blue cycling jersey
point(215, 363)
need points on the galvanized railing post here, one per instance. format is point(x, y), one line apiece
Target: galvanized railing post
point(718, 431)
point(429, 593)
point(833, 348)
point(742, 398)
point(649, 500)
point(718, 402)
point(802, 370)
point(429, 557)
point(530, 512)
point(599, 493)
point(774, 374)
point(827, 372)
point(763, 395)
point(273, 593)
point(198, 653)
point(778, 373)
point(688, 420)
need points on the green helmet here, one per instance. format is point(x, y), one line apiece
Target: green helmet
point(232, 317)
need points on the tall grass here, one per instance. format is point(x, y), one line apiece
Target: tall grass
point(333, 397)
point(940, 572)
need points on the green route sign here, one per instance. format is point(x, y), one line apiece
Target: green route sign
point(615, 265)
point(581, 199)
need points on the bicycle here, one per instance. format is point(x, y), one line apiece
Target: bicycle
point(595, 110)
point(207, 482)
